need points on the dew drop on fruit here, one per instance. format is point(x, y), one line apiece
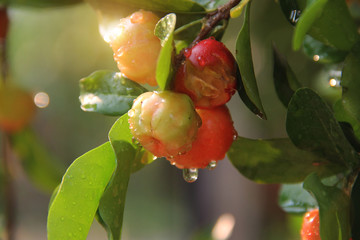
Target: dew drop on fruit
point(190, 174)
point(135, 141)
point(212, 165)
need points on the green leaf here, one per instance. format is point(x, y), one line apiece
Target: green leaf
point(350, 83)
point(211, 5)
point(247, 87)
point(355, 199)
point(43, 169)
point(40, 3)
point(108, 92)
point(329, 22)
point(120, 131)
point(276, 161)
point(294, 199)
point(185, 34)
point(284, 78)
point(174, 6)
point(164, 30)
point(112, 203)
point(343, 115)
point(334, 208)
point(322, 52)
point(311, 13)
point(312, 126)
point(73, 209)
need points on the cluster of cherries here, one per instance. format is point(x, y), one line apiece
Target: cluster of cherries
point(189, 124)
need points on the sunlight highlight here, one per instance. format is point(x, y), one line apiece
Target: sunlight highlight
point(223, 227)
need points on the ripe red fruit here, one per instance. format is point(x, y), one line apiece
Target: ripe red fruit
point(165, 123)
point(311, 226)
point(136, 48)
point(208, 74)
point(17, 108)
point(214, 139)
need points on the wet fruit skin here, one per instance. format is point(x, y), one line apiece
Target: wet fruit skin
point(208, 74)
point(214, 139)
point(311, 226)
point(164, 123)
point(136, 48)
point(17, 108)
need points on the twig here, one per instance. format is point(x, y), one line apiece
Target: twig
point(9, 193)
point(210, 21)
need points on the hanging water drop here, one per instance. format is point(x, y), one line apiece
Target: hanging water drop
point(211, 165)
point(190, 174)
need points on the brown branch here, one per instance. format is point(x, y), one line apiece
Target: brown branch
point(9, 192)
point(210, 21)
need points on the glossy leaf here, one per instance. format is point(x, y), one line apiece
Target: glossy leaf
point(112, 203)
point(293, 198)
point(164, 30)
point(285, 81)
point(311, 13)
point(312, 126)
point(185, 34)
point(334, 208)
point(120, 131)
point(108, 92)
point(73, 209)
point(350, 83)
point(355, 199)
point(322, 52)
point(41, 167)
point(40, 3)
point(174, 6)
point(247, 87)
point(343, 115)
point(211, 5)
point(276, 161)
point(327, 21)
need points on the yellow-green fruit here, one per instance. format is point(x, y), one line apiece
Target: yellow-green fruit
point(136, 48)
point(16, 108)
point(165, 123)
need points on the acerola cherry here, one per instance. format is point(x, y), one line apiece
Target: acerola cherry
point(214, 139)
point(165, 123)
point(208, 74)
point(136, 48)
point(17, 108)
point(311, 226)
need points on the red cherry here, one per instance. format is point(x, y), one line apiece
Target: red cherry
point(214, 139)
point(311, 226)
point(208, 74)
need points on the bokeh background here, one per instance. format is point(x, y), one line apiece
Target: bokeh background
point(51, 49)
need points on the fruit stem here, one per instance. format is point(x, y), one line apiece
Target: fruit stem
point(213, 18)
point(210, 21)
point(8, 193)
point(4, 24)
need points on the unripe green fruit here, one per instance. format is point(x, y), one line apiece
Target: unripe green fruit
point(136, 48)
point(165, 123)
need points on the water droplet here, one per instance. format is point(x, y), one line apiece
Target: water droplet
point(211, 165)
point(190, 174)
point(80, 229)
point(131, 113)
point(62, 218)
point(135, 141)
point(73, 203)
point(173, 163)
